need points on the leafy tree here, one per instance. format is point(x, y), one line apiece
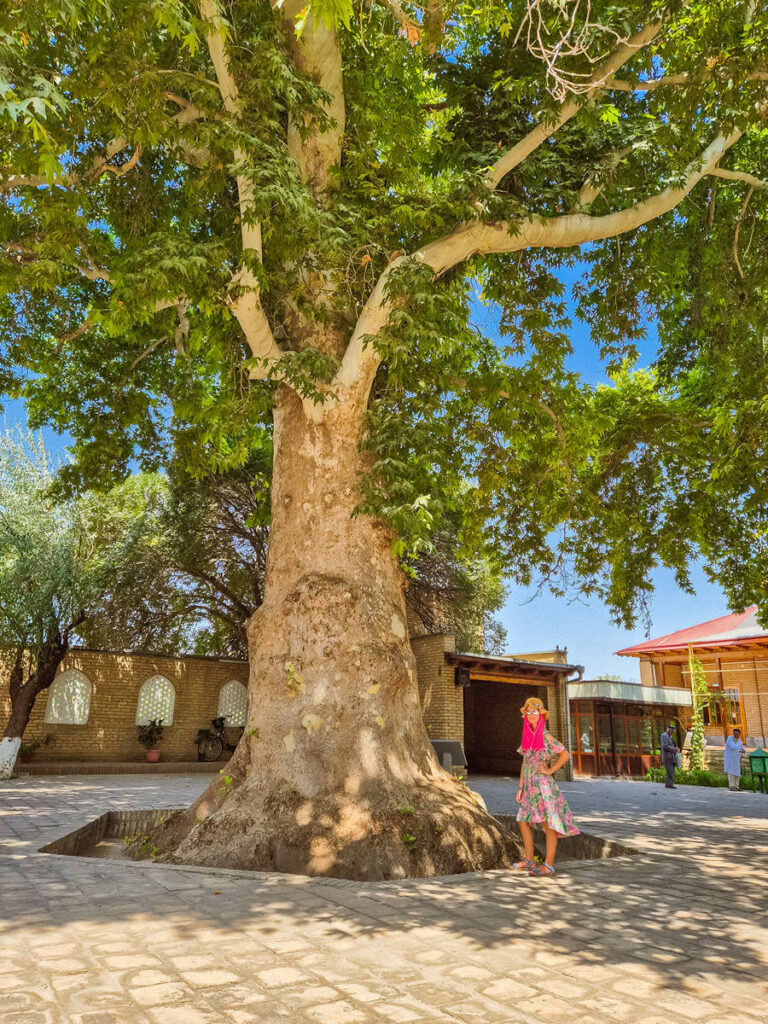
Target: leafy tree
point(199, 575)
point(58, 559)
point(450, 592)
point(215, 213)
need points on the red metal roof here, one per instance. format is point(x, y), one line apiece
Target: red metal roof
point(726, 631)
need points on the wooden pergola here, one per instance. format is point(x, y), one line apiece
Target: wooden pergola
point(471, 667)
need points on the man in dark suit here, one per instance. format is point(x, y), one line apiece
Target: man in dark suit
point(669, 751)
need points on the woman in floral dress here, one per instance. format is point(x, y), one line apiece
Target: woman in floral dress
point(539, 796)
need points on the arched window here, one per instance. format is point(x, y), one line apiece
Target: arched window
point(69, 699)
point(233, 702)
point(156, 699)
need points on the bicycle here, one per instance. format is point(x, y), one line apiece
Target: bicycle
point(211, 744)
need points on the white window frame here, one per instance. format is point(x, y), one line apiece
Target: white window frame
point(72, 709)
point(144, 715)
point(222, 710)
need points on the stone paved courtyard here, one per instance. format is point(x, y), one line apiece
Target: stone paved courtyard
point(678, 933)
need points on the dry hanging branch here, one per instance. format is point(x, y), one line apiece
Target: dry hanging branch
point(562, 30)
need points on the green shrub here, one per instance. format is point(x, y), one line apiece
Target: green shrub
point(699, 777)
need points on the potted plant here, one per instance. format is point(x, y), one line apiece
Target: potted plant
point(150, 735)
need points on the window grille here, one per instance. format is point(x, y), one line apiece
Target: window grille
point(156, 699)
point(69, 699)
point(233, 702)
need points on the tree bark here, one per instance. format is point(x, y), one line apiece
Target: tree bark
point(335, 774)
point(23, 696)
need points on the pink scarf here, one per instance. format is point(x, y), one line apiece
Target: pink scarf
point(533, 740)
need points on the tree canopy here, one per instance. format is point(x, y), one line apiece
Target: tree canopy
point(201, 202)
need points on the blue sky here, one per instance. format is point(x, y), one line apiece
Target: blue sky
point(538, 622)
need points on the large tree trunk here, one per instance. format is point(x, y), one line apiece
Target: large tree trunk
point(335, 774)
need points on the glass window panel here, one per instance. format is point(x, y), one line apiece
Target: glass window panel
point(604, 733)
point(233, 703)
point(620, 734)
point(586, 734)
point(732, 707)
point(646, 735)
point(633, 735)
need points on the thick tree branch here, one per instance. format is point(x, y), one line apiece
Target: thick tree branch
point(361, 360)
point(719, 172)
point(571, 229)
point(685, 78)
point(316, 148)
point(245, 299)
point(523, 149)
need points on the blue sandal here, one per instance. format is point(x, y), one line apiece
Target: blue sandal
point(543, 871)
point(522, 865)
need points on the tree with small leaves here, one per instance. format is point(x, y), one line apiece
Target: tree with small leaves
point(213, 214)
point(60, 560)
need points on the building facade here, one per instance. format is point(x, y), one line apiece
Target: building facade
point(616, 727)
point(477, 699)
point(733, 651)
point(98, 699)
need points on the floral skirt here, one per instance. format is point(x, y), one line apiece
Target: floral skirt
point(543, 803)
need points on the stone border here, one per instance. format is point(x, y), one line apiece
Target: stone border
point(119, 824)
point(584, 846)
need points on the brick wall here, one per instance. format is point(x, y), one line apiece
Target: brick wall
point(110, 733)
point(442, 702)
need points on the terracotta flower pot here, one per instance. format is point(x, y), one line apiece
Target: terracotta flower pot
point(153, 755)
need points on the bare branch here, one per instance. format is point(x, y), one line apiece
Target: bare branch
point(570, 34)
point(737, 232)
point(189, 112)
point(66, 338)
point(123, 168)
point(522, 149)
point(142, 355)
point(181, 330)
point(411, 26)
point(590, 190)
point(94, 273)
point(99, 164)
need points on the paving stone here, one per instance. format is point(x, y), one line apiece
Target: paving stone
point(161, 995)
point(99, 942)
point(277, 976)
point(339, 1012)
point(208, 978)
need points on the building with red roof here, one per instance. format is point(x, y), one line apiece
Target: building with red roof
point(733, 650)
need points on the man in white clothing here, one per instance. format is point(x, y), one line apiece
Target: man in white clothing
point(734, 748)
